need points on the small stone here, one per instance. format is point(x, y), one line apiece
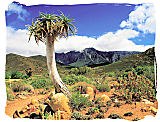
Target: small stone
point(153, 110)
point(128, 114)
point(145, 109)
point(147, 102)
point(116, 101)
point(104, 98)
point(34, 101)
point(117, 104)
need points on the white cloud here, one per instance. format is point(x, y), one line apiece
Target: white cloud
point(18, 9)
point(74, 43)
point(17, 42)
point(142, 18)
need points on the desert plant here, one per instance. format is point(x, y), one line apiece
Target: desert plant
point(79, 116)
point(18, 86)
point(79, 101)
point(114, 116)
point(103, 87)
point(71, 79)
point(7, 75)
point(16, 75)
point(91, 111)
point(9, 95)
point(117, 104)
point(135, 87)
point(99, 116)
point(41, 83)
point(47, 28)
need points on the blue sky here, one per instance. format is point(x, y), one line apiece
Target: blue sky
point(103, 26)
point(91, 19)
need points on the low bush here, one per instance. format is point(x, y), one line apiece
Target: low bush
point(41, 83)
point(7, 75)
point(103, 87)
point(99, 116)
point(117, 104)
point(81, 70)
point(9, 95)
point(91, 111)
point(16, 75)
point(78, 101)
point(134, 85)
point(79, 116)
point(18, 86)
point(114, 116)
point(72, 79)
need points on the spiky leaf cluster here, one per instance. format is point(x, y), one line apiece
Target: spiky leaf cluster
point(49, 26)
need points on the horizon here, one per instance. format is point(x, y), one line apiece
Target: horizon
point(103, 26)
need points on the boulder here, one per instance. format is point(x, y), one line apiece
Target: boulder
point(59, 101)
point(90, 92)
point(104, 98)
point(34, 101)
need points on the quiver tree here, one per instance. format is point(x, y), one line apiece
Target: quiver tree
point(48, 28)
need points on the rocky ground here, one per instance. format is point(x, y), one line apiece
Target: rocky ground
point(45, 105)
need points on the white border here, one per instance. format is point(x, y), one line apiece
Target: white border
point(3, 6)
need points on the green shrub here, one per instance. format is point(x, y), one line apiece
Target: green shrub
point(7, 75)
point(114, 116)
point(117, 104)
point(18, 86)
point(79, 116)
point(9, 96)
point(136, 85)
point(25, 77)
point(103, 87)
point(76, 116)
point(41, 83)
point(16, 75)
point(79, 102)
point(81, 70)
point(99, 116)
point(28, 87)
point(91, 111)
point(72, 79)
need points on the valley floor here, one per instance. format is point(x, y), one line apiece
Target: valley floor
point(22, 101)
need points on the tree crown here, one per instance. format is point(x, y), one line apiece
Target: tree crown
point(51, 26)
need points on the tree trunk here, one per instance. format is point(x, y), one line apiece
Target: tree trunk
point(53, 73)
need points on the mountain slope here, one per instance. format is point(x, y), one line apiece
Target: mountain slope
point(38, 63)
point(143, 59)
point(91, 57)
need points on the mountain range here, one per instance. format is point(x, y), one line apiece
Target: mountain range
point(105, 61)
point(91, 57)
